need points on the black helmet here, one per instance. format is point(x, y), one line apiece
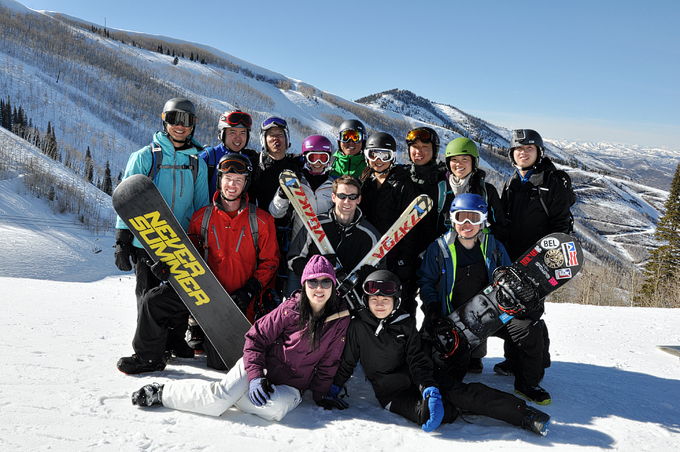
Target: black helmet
point(234, 163)
point(383, 282)
point(426, 135)
point(381, 140)
point(180, 109)
point(524, 137)
point(352, 124)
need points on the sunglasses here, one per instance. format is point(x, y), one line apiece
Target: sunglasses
point(238, 117)
point(474, 217)
point(384, 155)
point(422, 135)
point(387, 288)
point(325, 283)
point(351, 135)
point(234, 166)
point(183, 118)
point(343, 196)
point(313, 157)
point(274, 122)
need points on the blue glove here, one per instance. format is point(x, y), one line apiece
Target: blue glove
point(434, 403)
point(259, 391)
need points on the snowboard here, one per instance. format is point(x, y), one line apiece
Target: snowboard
point(141, 206)
point(672, 349)
point(515, 290)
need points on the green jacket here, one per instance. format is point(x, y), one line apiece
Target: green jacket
point(348, 164)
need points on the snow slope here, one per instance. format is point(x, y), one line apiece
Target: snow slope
point(69, 314)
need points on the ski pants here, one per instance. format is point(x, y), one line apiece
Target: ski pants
point(475, 398)
point(214, 398)
point(524, 342)
point(162, 314)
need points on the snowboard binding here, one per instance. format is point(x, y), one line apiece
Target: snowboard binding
point(449, 342)
point(516, 294)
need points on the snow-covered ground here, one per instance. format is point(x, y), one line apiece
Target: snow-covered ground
point(69, 314)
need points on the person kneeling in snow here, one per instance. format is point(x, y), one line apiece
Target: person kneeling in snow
point(384, 338)
point(295, 347)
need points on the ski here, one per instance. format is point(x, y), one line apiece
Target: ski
point(672, 349)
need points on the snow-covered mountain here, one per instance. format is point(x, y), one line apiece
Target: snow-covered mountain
point(104, 90)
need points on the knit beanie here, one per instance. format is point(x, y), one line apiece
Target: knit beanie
point(318, 266)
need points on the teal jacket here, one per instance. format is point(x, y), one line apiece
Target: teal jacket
point(180, 191)
point(436, 276)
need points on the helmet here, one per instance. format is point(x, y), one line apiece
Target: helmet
point(317, 144)
point(234, 163)
point(186, 114)
point(236, 118)
point(523, 137)
point(352, 124)
point(426, 135)
point(381, 141)
point(472, 203)
point(268, 124)
point(463, 146)
point(383, 282)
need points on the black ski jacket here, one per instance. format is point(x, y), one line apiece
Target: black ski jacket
point(268, 182)
point(391, 353)
point(526, 219)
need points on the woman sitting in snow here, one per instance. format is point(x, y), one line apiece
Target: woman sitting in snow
point(294, 348)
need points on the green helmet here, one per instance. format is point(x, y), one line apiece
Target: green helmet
point(462, 146)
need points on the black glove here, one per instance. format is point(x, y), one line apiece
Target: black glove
point(246, 294)
point(124, 252)
point(333, 399)
point(160, 270)
point(281, 194)
point(433, 313)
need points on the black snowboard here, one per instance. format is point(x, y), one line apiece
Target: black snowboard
point(143, 209)
point(552, 262)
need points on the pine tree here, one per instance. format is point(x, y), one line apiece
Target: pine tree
point(89, 166)
point(663, 265)
point(106, 184)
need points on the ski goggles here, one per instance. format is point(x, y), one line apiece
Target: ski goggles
point(419, 134)
point(325, 283)
point(352, 197)
point(384, 155)
point(351, 135)
point(234, 166)
point(313, 157)
point(274, 122)
point(387, 288)
point(474, 217)
point(183, 118)
point(238, 117)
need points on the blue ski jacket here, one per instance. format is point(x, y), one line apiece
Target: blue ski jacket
point(437, 273)
point(183, 194)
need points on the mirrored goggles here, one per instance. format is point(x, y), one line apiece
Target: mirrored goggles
point(183, 118)
point(387, 288)
point(351, 135)
point(352, 197)
point(474, 217)
point(419, 134)
point(326, 283)
point(382, 154)
point(238, 117)
point(274, 122)
point(313, 157)
point(234, 166)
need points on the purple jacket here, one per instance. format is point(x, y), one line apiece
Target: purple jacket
point(274, 343)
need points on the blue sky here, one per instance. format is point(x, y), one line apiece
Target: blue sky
point(578, 70)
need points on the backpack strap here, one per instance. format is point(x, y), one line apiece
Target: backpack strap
point(157, 163)
point(252, 218)
point(207, 212)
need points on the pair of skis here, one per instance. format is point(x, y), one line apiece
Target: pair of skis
point(415, 212)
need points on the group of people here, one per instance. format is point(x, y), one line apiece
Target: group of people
point(225, 195)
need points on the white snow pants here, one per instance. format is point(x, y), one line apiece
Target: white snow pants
point(215, 398)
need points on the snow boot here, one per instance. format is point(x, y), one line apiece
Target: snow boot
point(503, 368)
point(536, 421)
point(149, 395)
point(134, 365)
point(534, 394)
point(475, 366)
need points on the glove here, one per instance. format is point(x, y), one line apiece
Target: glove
point(281, 194)
point(246, 294)
point(434, 403)
point(333, 399)
point(433, 313)
point(124, 252)
point(160, 270)
point(259, 391)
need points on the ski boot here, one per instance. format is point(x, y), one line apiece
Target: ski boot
point(534, 394)
point(134, 365)
point(148, 395)
point(536, 421)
